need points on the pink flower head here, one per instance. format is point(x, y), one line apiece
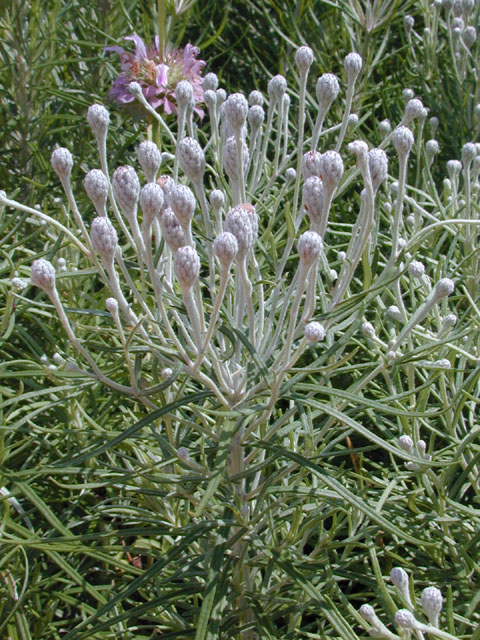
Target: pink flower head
point(158, 73)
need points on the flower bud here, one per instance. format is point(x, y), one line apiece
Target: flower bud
point(111, 305)
point(378, 165)
point(210, 82)
point(241, 224)
point(449, 321)
point(255, 98)
point(408, 23)
point(184, 93)
point(469, 152)
point(416, 269)
point(413, 109)
point(104, 239)
point(98, 118)
point(225, 246)
point(210, 98)
point(277, 87)
point(217, 199)
point(314, 332)
point(444, 287)
point(290, 175)
point(192, 158)
point(311, 164)
point(150, 159)
point(313, 198)
point(43, 275)
point(394, 312)
point(236, 111)
point(166, 372)
point(331, 169)
point(96, 186)
point(309, 247)
point(172, 230)
point(187, 266)
point(384, 127)
point(126, 188)
point(151, 201)
point(135, 88)
point(368, 330)
point(432, 602)
point(405, 619)
point(221, 96)
point(407, 94)
point(399, 577)
point(327, 90)
point(353, 66)
point(18, 284)
point(403, 140)
point(183, 204)
point(230, 158)
point(62, 163)
point(303, 59)
point(406, 443)
point(453, 168)
point(168, 185)
point(431, 149)
point(256, 116)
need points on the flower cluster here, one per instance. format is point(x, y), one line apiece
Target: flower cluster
point(158, 72)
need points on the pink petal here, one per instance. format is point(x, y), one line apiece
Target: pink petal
point(141, 50)
point(162, 75)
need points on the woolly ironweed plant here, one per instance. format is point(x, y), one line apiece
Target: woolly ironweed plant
point(309, 392)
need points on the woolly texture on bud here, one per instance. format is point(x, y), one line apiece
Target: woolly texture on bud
point(406, 443)
point(385, 127)
point(432, 602)
point(353, 66)
point(314, 332)
point(210, 98)
point(413, 109)
point(167, 184)
point(217, 199)
point(62, 163)
point(230, 165)
point(187, 266)
point(96, 186)
point(469, 36)
point(309, 247)
point(469, 152)
point(184, 93)
point(444, 287)
point(276, 88)
point(256, 116)
point(210, 82)
point(98, 118)
point(183, 204)
point(104, 239)
point(378, 165)
point(408, 23)
point(241, 224)
point(313, 198)
point(43, 275)
point(311, 164)
point(126, 188)
point(405, 619)
point(150, 159)
point(416, 269)
point(151, 201)
point(290, 175)
point(255, 98)
point(403, 140)
point(225, 246)
point(368, 330)
point(236, 111)
point(172, 230)
point(111, 305)
point(303, 59)
point(327, 89)
point(192, 158)
point(331, 169)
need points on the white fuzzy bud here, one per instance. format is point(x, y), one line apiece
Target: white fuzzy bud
point(416, 269)
point(352, 120)
point(236, 111)
point(96, 186)
point(111, 305)
point(431, 149)
point(331, 169)
point(256, 116)
point(332, 274)
point(210, 82)
point(407, 94)
point(327, 89)
point(367, 612)
point(192, 158)
point(444, 287)
point(313, 198)
point(410, 220)
point(443, 363)
point(341, 255)
point(166, 372)
point(167, 185)
point(18, 284)
point(126, 188)
point(408, 23)
point(255, 98)
point(241, 223)
point(230, 165)
point(309, 247)
point(469, 36)
point(135, 89)
point(453, 168)
point(151, 202)
point(303, 59)
point(221, 96)
point(378, 165)
point(98, 118)
point(225, 246)
point(353, 66)
point(406, 443)
point(314, 332)
point(432, 602)
point(172, 230)
point(394, 312)
point(183, 204)
point(311, 164)
point(434, 122)
point(368, 330)
point(217, 199)
point(405, 619)
point(187, 266)
point(384, 127)
point(413, 109)
point(403, 140)
point(277, 87)
point(290, 175)
point(449, 321)
point(104, 239)
point(184, 93)
point(469, 152)
point(43, 275)
point(62, 163)
point(210, 98)
point(150, 159)
point(399, 578)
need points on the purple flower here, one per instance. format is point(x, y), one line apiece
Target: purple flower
point(157, 73)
